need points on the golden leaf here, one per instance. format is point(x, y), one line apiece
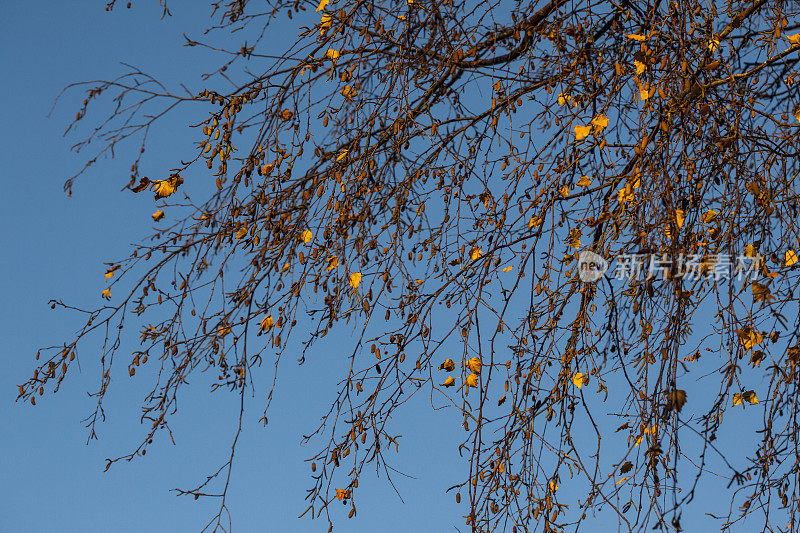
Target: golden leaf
point(241, 233)
point(794, 39)
point(564, 191)
point(475, 253)
point(534, 222)
point(749, 251)
point(640, 67)
point(636, 37)
point(553, 485)
point(508, 269)
point(709, 216)
point(584, 181)
point(790, 258)
point(324, 24)
point(472, 380)
point(582, 131)
point(342, 155)
point(333, 262)
point(474, 365)
point(579, 380)
point(761, 293)
point(355, 279)
point(447, 365)
point(676, 399)
point(449, 382)
point(749, 337)
point(713, 44)
point(600, 122)
point(266, 323)
point(332, 54)
point(680, 216)
point(341, 494)
point(158, 215)
point(106, 294)
point(750, 397)
point(348, 92)
point(322, 4)
point(737, 399)
point(306, 236)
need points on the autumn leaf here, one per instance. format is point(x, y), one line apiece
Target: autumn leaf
point(341, 494)
point(164, 188)
point(447, 365)
point(332, 54)
point(637, 37)
point(789, 258)
point(475, 253)
point(333, 262)
point(749, 251)
point(600, 122)
point(306, 236)
point(553, 486)
point(625, 468)
point(342, 155)
point(534, 222)
point(266, 323)
point(709, 216)
point(472, 380)
point(106, 294)
point(761, 293)
point(324, 24)
point(749, 337)
point(564, 191)
point(348, 92)
point(322, 5)
point(676, 400)
point(584, 181)
point(110, 271)
point(794, 39)
point(355, 279)
point(747, 396)
point(680, 216)
point(241, 233)
point(449, 382)
point(579, 380)
point(581, 132)
point(640, 67)
point(508, 269)
point(474, 365)
point(158, 215)
point(713, 44)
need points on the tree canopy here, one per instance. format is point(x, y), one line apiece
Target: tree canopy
point(428, 178)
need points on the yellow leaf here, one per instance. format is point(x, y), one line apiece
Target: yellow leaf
point(355, 279)
point(640, 67)
point(534, 222)
point(266, 323)
point(761, 293)
point(163, 188)
point(472, 380)
point(564, 191)
point(475, 253)
point(223, 330)
point(584, 181)
point(241, 233)
point(794, 39)
point(333, 262)
point(749, 251)
point(749, 337)
point(449, 382)
point(680, 216)
point(348, 92)
point(332, 54)
point(638, 440)
point(106, 294)
point(342, 155)
point(600, 122)
point(636, 37)
point(322, 5)
point(553, 485)
point(508, 269)
point(325, 23)
point(564, 98)
point(790, 258)
point(448, 365)
point(306, 236)
point(737, 399)
point(341, 494)
point(750, 397)
point(623, 480)
point(474, 365)
point(709, 216)
point(582, 131)
point(158, 215)
point(578, 379)
point(713, 44)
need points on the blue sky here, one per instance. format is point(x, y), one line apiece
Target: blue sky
point(54, 247)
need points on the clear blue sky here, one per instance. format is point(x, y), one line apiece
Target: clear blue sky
point(52, 246)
